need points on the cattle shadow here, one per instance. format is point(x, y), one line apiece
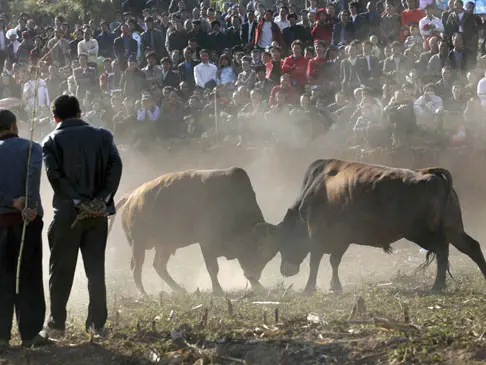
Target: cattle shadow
point(79, 354)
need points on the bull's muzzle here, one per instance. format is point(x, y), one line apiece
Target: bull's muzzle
point(288, 269)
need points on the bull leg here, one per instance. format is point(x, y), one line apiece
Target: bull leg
point(160, 264)
point(213, 270)
point(442, 265)
point(335, 261)
point(315, 261)
point(469, 246)
point(138, 257)
point(438, 244)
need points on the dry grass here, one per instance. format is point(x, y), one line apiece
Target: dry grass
point(395, 322)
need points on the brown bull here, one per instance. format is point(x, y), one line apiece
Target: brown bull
point(215, 208)
point(345, 202)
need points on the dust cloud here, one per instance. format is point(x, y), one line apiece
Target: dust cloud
point(276, 177)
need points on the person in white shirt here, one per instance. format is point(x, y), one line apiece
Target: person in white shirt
point(29, 93)
point(281, 19)
point(481, 90)
point(427, 107)
point(89, 46)
point(205, 72)
point(13, 38)
point(430, 25)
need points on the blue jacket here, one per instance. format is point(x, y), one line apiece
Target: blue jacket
point(14, 152)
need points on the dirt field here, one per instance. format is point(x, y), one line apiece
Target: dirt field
point(386, 315)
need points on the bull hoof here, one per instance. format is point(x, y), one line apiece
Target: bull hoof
point(180, 291)
point(338, 291)
point(437, 289)
point(308, 292)
point(143, 297)
point(218, 292)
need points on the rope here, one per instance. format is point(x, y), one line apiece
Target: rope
point(32, 127)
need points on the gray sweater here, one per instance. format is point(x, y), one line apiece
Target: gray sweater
point(14, 153)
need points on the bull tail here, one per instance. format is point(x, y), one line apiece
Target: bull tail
point(447, 177)
point(118, 206)
point(445, 174)
point(429, 258)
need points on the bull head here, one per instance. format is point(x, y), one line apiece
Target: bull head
point(293, 242)
point(261, 250)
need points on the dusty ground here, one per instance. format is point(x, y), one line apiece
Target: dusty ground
point(396, 321)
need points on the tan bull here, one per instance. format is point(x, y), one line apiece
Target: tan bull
point(215, 208)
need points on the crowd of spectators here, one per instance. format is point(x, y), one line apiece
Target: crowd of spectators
point(376, 73)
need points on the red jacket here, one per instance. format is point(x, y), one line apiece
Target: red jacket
point(276, 34)
point(297, 68)
point(322, 32)
point(314, 68)
point(292, 95)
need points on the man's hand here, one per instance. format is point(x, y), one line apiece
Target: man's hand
point(29, 214)
point(19, 203)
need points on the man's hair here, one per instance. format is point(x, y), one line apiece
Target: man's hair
point(7, 120)
point(66, 107)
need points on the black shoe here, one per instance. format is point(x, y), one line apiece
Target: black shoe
point(98, 333)
point(54, 329)
point(41, 339)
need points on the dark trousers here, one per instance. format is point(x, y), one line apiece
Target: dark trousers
point(89, 236)
point(29, 304)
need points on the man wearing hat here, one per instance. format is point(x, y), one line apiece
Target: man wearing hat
point(13, 45)
point(294, 31)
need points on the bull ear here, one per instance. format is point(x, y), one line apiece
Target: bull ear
point(265, 229)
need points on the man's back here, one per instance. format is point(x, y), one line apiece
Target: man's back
point(78, 160)
point(13, 186)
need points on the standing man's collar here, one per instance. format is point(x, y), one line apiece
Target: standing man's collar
point(71, 123)
point(8, 136)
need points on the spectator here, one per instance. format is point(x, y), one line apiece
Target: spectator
point(430, 26)
point(268, 31)
point(89, 46)
point(153, 73)
point(343, 31)
point(296, 65)
point(205, 74)
point(125, 47)
point(186, 67)
point(322, 29)
point(84, 77)
point(105, 41)
point(169, 77)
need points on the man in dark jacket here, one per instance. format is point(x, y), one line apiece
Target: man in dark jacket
point(153, 40)
point(186, 68)
point(105, 41)
point(84, 169)
point(295, 31)
point(125, 46)
point(29, 303)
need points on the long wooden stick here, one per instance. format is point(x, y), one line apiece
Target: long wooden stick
point(32, 127)
point(24, 228)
